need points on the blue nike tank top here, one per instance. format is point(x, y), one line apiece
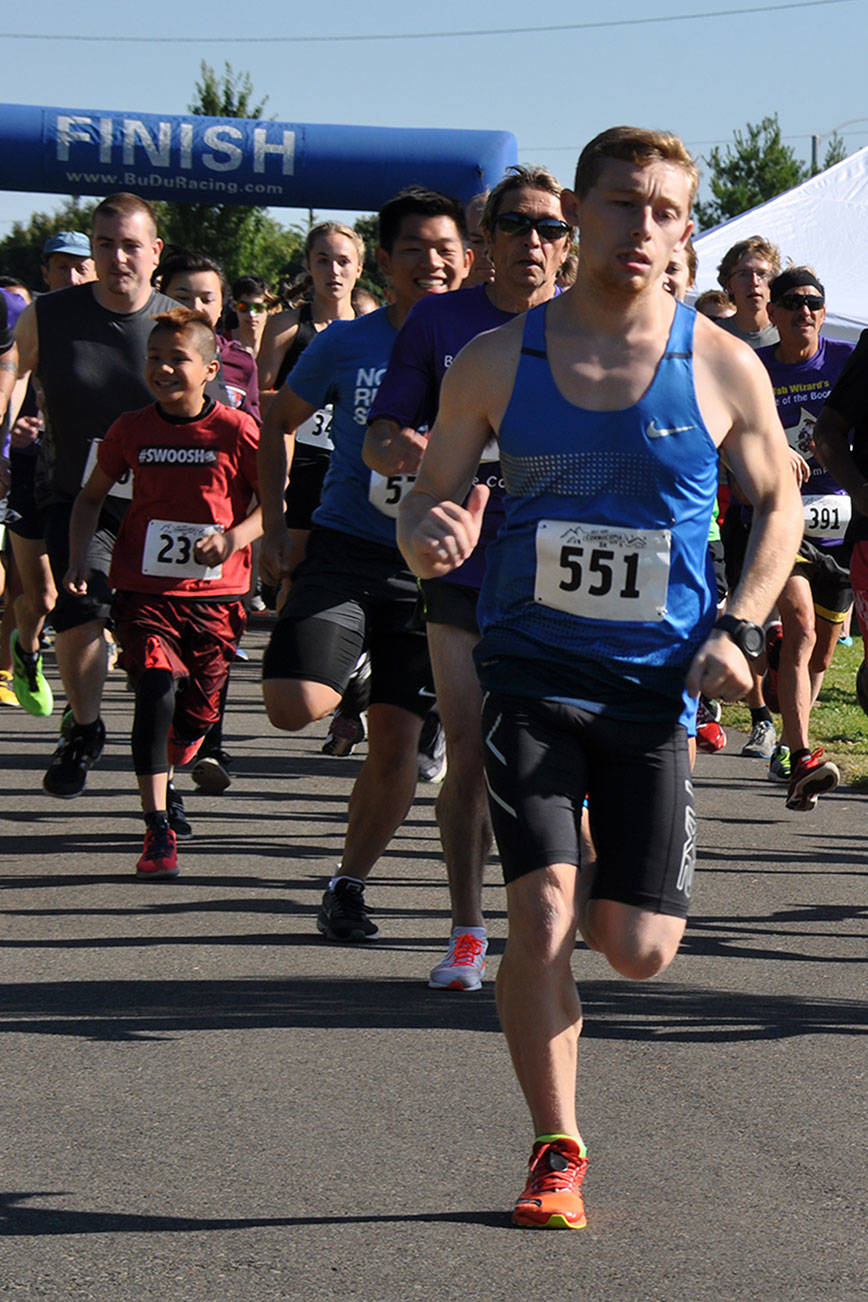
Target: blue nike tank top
point(599, 586)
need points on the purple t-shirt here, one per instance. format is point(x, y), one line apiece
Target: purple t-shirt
point(11, 307)
point(801, 390)
point(435, 331)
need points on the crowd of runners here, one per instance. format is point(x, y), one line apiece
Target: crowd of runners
point(524, 526)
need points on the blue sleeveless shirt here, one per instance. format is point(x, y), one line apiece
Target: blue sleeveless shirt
point(599, 587)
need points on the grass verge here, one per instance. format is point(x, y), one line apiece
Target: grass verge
point(837, 722)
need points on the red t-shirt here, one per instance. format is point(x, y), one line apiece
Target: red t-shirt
point(188, 478)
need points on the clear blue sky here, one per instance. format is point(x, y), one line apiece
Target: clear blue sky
point(553, 89)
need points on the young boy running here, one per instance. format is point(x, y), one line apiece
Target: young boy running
point(181, 562)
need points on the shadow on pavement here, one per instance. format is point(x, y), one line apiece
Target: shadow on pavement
point(614, 1010)
point(19, 1220)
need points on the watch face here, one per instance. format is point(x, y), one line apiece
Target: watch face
point(752, 639)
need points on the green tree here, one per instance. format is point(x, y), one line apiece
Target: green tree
point(21, 250)
point(756, 167)
point(836, 151)
point(243, 239)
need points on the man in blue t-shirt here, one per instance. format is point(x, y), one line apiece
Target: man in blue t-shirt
point(816, 597)
point(353, 591)
point(528, 241)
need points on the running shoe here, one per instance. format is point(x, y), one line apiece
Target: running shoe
point(79, 748)
point(432, 750)
point(345, 732)
point(714, 708)
point(210, 773)
point(552, 1198)
point(342, 913)
point(761, 742)
point(160, 855)
point(779, 764)
point(7, 688)
point(710, 737)
point(811, 776)
point(463, 967)
point(178, 820)
point(29, 682)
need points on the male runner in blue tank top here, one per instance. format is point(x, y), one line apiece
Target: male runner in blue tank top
point(597, 611)
point(529, 242)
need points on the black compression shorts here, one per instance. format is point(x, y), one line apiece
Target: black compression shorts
point(540, 760)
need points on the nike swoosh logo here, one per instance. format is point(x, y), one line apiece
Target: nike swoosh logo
point(655, 432)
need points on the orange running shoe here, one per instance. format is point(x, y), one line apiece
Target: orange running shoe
point(552, 1198)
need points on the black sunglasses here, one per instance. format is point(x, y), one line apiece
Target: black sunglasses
point(548, 229)
point(793, 302)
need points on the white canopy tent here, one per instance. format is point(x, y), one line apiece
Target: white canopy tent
point(822, 222)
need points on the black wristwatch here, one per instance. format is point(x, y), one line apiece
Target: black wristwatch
point(749, 638)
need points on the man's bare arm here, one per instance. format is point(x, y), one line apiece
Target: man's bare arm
point(756, 448)
point(832, 449)
point(27, 340)
point(8, 377)
point(391, 450)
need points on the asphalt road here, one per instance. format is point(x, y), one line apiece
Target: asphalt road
point(201, 1099)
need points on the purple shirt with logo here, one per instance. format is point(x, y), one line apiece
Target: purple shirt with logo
point(435, 331)
point(801, 390)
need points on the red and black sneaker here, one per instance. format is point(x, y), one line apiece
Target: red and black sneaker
point(160, 855)
point(710, 737)
point(552, 1198)
point(811, 775)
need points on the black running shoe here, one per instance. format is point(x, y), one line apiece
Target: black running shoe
point(211, 772)
point(78, 750)
point(342, 913)
point(178, 820)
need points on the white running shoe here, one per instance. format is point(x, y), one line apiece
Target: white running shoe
point(761, 742)
point(464, 965)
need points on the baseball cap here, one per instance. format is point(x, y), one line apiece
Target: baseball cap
point(73, 242)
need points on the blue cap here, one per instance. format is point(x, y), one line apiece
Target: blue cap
point(73, 242)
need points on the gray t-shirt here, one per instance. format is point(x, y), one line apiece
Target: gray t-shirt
point(91, 369)
point(756, 338)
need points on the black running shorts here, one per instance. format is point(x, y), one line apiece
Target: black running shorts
point(831, 592)
point(541, 758)
point(347, 596)
point(450, 603)
point(71, 611)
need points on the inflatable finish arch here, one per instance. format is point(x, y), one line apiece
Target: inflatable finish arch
point(235, 160)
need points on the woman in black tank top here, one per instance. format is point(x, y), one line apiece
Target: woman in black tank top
point(334, 256)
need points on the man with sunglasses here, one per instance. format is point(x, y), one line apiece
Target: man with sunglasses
point(250, 299)
point(528, 241)
point(803, 368)
point(609, 404)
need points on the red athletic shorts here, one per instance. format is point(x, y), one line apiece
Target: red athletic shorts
point(194, 640)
